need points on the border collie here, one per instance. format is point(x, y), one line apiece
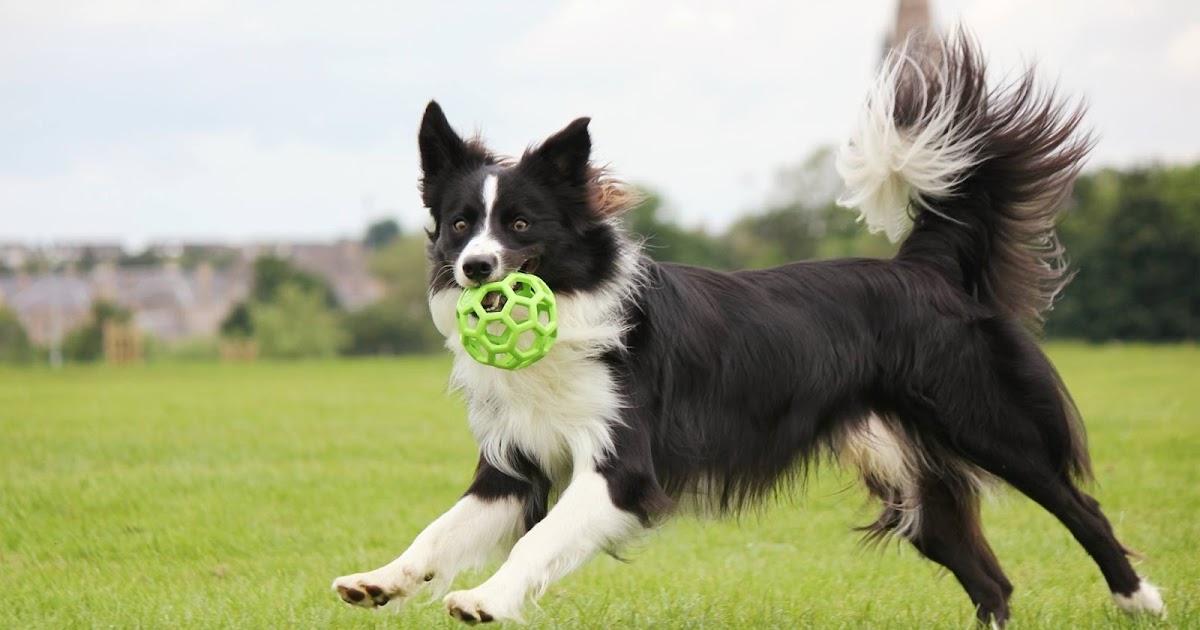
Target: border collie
point(672, 385)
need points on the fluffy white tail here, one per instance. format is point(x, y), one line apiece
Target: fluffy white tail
point(893, 156)
point(979, 174)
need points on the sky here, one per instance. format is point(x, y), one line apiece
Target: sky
point(242, 120)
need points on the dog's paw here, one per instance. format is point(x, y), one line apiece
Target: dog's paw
point(1145, 600)
point(475, 606)
point(376, 588)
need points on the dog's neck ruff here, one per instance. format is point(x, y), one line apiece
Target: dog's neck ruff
point(559, 411)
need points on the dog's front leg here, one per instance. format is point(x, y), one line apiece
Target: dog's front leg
point(489, 518)
point(582, 522)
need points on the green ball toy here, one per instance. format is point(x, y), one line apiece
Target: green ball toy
point(510, 324)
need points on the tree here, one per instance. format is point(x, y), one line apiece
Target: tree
point(238, 324)
point(296, 323)
point(289, 313)
point(667, 241)
point(146, 258)
point(1133, 239)
point(389, 327)
point(87, 260)
point(777, 236)
point(271, 273)
point(86, 343)
point(812, 183)
point(810, 188)
point(14, 342)
point(381, 233)
point(400, 322)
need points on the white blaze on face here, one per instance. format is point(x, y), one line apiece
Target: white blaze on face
point(490, 184)
point(483, 243)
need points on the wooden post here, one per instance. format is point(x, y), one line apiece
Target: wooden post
point(239, 350)
point(122, 343)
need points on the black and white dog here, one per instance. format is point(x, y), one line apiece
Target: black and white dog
point(674, 385)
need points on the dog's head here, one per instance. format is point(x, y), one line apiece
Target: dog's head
point(549, 213)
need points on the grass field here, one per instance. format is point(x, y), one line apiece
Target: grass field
point(230, 496)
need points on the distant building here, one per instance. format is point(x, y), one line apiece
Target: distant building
point(48, 305)
point(168, 302)
point(14, 255)
point(344, 265)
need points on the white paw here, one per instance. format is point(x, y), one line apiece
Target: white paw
point(378, 587)
point(479, 606)
point(1146, 599)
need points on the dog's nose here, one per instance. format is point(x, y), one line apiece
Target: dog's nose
point(479, 268)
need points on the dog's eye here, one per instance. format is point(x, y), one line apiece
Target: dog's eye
point(520, 225)
point(460, 226)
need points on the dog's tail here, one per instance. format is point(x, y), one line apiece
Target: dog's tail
point(979, 175)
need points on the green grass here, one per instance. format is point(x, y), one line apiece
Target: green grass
point(166, 496)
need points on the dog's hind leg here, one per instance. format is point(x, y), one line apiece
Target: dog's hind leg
point(938, 512)
point(1015, 421)
point(1081, 515)
point(949, 534)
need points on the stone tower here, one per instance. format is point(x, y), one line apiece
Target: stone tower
point(912, 16)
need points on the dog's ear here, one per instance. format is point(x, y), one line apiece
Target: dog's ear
point(441, 148)
point(443, 152)
point(564, 156)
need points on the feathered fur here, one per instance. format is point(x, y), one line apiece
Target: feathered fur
point(984, 171)
point(674, 384)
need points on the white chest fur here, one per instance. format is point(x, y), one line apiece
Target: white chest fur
point(558, 411)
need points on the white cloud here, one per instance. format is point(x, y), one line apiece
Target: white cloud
point(58, 13)
point(1183, 53)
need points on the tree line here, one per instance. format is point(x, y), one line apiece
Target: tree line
point(1132, 238)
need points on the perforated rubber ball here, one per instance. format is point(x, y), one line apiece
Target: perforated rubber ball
point(510, 324)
